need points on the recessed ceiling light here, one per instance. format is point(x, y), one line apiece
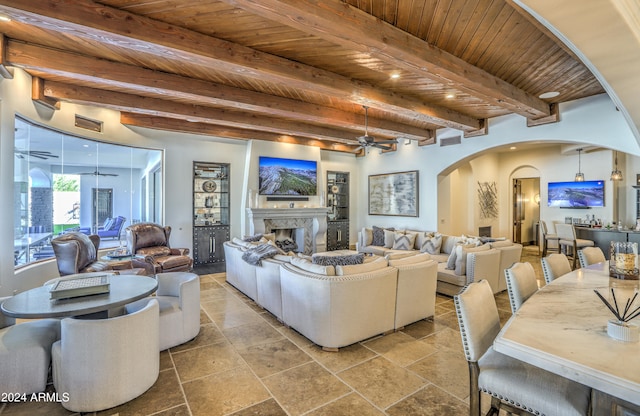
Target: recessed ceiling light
point(550, 94)
point(395, 75)
point(512, 148)
point(4, 18)
point(450, 96)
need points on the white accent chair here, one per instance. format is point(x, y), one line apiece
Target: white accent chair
point(178, 295)
point(590, 255)
point(512, 384)
point(554, 266)
point(521, 284)
point(25, 353)
point(569, 242)
point(104, 363)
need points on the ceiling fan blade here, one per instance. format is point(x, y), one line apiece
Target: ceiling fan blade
point(390, 141)
point(382, 146)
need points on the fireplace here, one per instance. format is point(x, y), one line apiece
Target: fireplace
point(308, 225)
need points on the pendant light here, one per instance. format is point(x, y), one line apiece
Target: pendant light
point(616, 174)
point(579, 175)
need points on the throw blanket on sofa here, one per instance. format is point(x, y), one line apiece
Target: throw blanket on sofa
point(255, 254)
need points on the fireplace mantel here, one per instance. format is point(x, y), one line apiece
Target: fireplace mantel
point(313, 220)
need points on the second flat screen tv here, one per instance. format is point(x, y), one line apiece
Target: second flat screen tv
point(287, 177)
point(576, 194)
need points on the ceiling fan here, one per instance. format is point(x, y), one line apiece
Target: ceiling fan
point(98, 173)
point(39, 154)
point(369, 141)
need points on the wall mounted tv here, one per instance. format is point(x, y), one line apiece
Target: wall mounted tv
point(287, 177)
point(576, 194)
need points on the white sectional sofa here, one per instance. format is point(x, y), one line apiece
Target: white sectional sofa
point(335, 306)
point(488, 261)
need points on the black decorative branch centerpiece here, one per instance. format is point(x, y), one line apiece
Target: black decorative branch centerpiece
point(621, 328)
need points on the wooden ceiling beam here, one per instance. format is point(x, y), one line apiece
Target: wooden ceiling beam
point(164, 108)
point(148, 82)
point(368, 34)
point(118, 28)
point(172, 124)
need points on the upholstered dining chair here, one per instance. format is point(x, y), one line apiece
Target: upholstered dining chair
point(554, 266)
point(178, 295)
point(512, 384)
point(590, 255)
point(521, 284)
point(151, 241)
point(103, 363)
point(569, 242)
point(548, 236)
point(25, 353)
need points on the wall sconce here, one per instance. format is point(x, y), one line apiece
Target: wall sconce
point(579, 175)
point(407, 142)
point(536, 199)
point(616, 174)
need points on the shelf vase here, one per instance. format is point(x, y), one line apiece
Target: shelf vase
point(623, 331)
point(624, 260)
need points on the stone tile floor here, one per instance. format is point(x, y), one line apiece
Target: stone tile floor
point(244, 362)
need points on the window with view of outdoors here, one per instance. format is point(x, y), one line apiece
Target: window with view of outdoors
point(65, 183)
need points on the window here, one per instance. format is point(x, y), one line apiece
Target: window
point(64, 182)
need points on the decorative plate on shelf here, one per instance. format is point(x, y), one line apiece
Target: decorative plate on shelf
point(335, 189)
point(208, 186)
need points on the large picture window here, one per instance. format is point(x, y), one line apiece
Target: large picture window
point(64, 182)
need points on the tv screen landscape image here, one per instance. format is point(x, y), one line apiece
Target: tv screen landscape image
point(576, 194)
point(287, 177)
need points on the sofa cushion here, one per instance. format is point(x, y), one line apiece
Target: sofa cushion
point(403, 241)
point(418, 258)
point(449, 243)
point(367, 236)
point(389, 237)
point(398, 254)
point(461, 256)
point(342, 260)
point(154, 251)
point(308, 266)
point(449, 276)
point(502, 243)
point(377, 264)
point(431, 243)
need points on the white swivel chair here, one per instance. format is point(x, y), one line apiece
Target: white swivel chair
point(590, 255)
point(521, 284)
point(548, 236)
point(512, 384)
point(554, 266)
point(103, 363)
point(568, 241)
point(179, 297)
point(25, 353)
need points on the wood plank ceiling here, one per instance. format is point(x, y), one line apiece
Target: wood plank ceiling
point(294, 70)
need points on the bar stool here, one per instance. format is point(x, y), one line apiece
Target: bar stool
point(546, 237)
point(567, 240)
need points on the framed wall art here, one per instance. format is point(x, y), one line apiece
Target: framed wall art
point(394, 194)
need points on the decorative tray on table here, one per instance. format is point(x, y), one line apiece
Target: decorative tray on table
point(118, 254)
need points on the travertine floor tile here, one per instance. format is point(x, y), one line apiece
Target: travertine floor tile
point(429, 401)
point(304, 388)
point(446, 369)
point(423, 328)
point(381, 382)
point(206, 360)
point(209, 334)
point(274, 357)
point(345, 358)
point(353, 404)
point(267, 408)
point(252, 334)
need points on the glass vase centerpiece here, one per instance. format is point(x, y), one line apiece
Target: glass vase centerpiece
point(623, 263)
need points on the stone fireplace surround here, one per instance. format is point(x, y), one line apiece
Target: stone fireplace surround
point(311, 221)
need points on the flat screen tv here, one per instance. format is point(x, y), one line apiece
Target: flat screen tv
point(287, 177)
point(576, 194)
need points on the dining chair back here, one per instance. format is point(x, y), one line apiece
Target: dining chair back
point(590, 255)
point(569, 242)
point(25, 353)
point(513, 385)
point(103, 363)
point(554, 266)
point(521, 284)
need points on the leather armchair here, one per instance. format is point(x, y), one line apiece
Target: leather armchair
point(78, 253)
point(151, 242)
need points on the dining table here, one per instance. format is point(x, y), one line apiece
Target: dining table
point(37, 302)
point(562, 329)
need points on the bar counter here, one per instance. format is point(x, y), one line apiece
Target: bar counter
point(602, 237)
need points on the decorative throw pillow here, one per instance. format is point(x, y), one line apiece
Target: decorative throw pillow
point(403, 241)
point(451, 261)
point(389, 237)
point(338, 260)
point(461, 256)
point(432, 243)
point(377, 238)
point(306, 265)
point(367, 237)
point(252, 238)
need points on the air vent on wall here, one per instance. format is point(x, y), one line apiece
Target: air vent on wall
point(88, 124)
point(448, 141)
